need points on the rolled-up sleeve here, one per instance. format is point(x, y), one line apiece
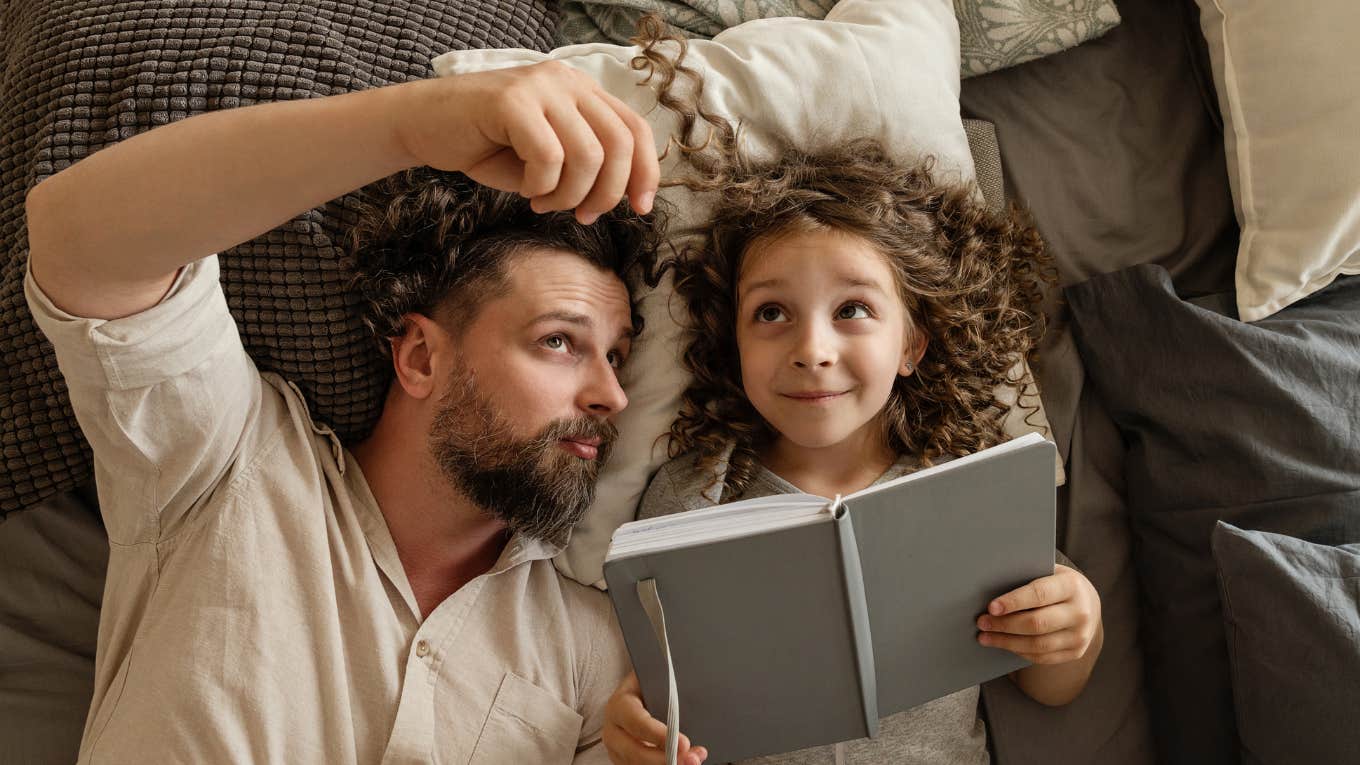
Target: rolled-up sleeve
point(165, 397)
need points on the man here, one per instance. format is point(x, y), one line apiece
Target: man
point(270, 596)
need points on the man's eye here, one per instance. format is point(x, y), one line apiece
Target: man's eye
point(556, 342)
point(769, 313)
point(853, 311)
point(615, 359)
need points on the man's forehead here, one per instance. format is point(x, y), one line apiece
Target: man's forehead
point(548, 281)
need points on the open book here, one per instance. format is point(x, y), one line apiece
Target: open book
point(790, 621)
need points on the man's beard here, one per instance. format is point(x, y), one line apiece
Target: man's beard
point(536, 487)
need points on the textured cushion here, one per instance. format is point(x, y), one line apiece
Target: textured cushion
point(1255, 424)
point(81, 74)
point(1286, 81)
point(886, 70)
point(1292, 614)
point(993, 34)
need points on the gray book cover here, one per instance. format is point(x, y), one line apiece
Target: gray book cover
point(804, 636)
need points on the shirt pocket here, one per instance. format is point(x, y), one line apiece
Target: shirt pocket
point(527, 725)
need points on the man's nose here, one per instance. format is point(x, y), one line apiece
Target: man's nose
point(603, 395)
point(814, 347)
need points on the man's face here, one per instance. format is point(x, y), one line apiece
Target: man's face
point(523, 426)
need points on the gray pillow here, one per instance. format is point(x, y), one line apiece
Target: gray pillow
point(1256, 424)
point(83, 74)
point(1291, 610)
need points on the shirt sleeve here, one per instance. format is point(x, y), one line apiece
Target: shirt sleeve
point(609, 665)
point(165, 398)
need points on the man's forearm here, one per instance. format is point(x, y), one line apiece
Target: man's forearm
point(129, 216)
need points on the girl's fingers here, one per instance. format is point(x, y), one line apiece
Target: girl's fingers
point(626, 711)
point(582, 159)
point(1044, 591)
point(1037, 621)
point(1034, 645)
point(611, 182)
point(625, 750)
point(645, 173)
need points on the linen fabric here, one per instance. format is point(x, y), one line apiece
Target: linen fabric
point(1291, 610)
point(993, 34)
point(1285, 79)
point(255, 608)
point(1254, 424)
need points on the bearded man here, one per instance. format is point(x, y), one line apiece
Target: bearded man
point(272, 596)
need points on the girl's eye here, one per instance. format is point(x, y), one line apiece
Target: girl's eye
point(853, 311)
point(556, 343)
point(769, 313)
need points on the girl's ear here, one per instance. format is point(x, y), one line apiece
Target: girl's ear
point(911, 355)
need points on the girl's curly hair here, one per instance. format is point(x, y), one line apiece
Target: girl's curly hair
point(437, 243)
point(971, 279)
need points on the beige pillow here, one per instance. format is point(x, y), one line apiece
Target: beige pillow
point(886, 69)
point(1288, 81)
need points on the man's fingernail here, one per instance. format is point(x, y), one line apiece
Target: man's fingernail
point(645, 201)
point(995, 608)
point(589, 218)
point(984, 623)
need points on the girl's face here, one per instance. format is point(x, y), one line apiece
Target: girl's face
point(823, 335)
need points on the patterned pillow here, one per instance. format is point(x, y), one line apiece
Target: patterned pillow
point(993, 34)
point(82, 74)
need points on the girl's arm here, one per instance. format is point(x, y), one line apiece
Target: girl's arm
point(1054, 623)
point(107, 235)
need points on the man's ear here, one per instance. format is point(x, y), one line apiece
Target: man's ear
point(416, 353)
point(915, 350)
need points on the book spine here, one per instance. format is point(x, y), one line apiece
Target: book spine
point(853, 577)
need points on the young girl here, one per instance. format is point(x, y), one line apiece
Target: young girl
point(852, 320)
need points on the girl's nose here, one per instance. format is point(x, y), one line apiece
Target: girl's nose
point(814, 349)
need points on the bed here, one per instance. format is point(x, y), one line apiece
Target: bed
point(1209, 461)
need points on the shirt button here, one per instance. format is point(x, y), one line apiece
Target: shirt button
point(422, 649)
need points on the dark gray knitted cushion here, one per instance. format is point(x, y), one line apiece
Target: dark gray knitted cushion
point(81, 74)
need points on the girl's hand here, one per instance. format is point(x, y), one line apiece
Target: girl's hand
point(1051, 620)
point(634, 737)
point(546, 131)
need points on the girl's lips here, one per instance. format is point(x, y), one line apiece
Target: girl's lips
point(814, 397)
point(581, 449)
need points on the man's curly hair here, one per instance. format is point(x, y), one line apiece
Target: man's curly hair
point(971, 279)
point(436, 243)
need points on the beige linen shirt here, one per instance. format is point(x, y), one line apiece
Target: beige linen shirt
point(256, 610)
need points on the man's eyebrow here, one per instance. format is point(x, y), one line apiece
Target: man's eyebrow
point(579, 319)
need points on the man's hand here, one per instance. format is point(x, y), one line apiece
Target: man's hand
point(634, 737)
point(546, 131)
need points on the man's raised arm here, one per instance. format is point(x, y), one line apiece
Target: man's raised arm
point(108, 234)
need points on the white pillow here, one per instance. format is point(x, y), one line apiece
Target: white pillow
point(1288, 82)
point(886, 69)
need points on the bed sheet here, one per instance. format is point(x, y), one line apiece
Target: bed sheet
point(1116, 149)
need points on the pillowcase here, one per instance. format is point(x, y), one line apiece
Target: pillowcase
point(1291, 610)
point(1254, 424)
point(887, 69)
point(82, 74)
point(993, 34)
point(1286, 86)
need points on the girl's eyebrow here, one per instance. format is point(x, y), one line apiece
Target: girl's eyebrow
point(845, 281)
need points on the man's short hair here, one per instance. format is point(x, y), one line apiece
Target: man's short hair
point(438, 244)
